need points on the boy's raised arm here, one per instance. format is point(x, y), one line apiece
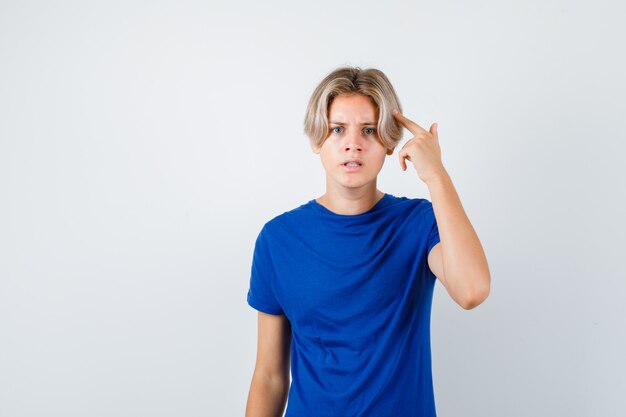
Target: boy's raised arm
point(461, 259)
point(467, 277)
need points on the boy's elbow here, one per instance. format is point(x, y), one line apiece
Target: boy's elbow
point(268, 395)
point(477, 298)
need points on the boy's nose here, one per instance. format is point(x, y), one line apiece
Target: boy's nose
point(354, 143)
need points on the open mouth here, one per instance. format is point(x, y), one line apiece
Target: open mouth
point(351, 167)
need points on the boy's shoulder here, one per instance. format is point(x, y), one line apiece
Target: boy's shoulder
point(296, 213)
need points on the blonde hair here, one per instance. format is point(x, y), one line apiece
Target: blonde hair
point(369, 82)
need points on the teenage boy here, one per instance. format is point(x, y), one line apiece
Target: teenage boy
point(343, 284)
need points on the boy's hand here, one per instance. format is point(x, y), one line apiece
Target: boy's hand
point(422, 149)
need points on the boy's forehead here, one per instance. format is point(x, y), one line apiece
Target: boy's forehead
point(339, 121)
point(361, 116)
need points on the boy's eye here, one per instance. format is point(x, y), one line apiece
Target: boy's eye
point(368, 130)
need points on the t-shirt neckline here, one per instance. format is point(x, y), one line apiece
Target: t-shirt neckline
point(375, 207)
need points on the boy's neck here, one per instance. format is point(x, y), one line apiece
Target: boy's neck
point(350, 203)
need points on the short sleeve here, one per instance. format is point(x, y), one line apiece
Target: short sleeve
point(260, 293)
point(433, 235)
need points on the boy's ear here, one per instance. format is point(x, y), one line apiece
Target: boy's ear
point(314, 147)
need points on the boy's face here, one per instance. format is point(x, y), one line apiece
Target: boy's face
point(353, 135)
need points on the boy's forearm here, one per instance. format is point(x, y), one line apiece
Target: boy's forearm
point(464, 262)
point(267, 397)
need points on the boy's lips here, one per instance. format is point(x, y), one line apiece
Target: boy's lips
point(357, 160)
point(352, 168)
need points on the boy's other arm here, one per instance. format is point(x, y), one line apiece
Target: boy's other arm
point(270, 382)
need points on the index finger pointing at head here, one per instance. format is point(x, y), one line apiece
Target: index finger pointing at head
point(408, 123)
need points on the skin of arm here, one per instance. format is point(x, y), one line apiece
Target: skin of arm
point(269, 388)
point(458, 261)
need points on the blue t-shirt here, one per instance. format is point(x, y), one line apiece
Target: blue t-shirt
point(357, 291)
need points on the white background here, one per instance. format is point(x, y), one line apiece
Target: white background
point(143, 144)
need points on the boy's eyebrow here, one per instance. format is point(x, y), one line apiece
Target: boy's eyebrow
point(362, 124)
